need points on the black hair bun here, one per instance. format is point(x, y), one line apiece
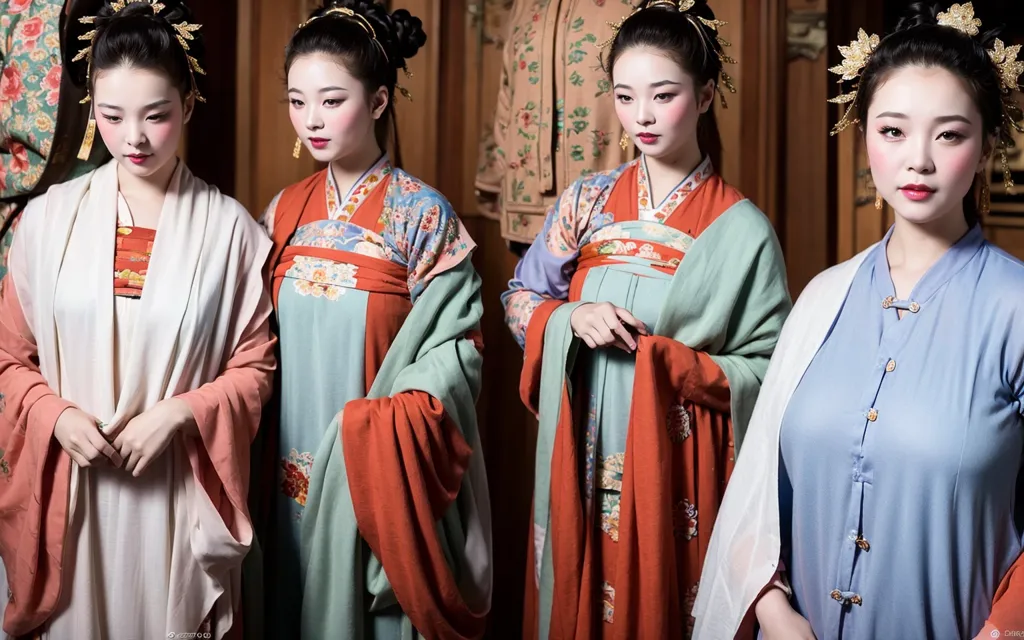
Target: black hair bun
point(409, 34)
point(919, 14)
point(400, 33)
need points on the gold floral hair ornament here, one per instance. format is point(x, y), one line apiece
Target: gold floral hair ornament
point(183, 34)
point(684, 6)
point(1010, 70)
point(855, 58)
point(361, 20)
point(960, 17)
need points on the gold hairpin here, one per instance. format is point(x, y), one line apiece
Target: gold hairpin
point(683, 6)
point(355, 17)
point(183, 34)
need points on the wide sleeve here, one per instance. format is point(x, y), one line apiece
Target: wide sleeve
point(35, 469)
point(425, 229)
point(228, 408)
point(227, 413)
point(545, 271)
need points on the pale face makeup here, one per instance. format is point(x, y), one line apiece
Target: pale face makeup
point(925, 143)
point(330, 109)
point(657, 102)
point(140, 115)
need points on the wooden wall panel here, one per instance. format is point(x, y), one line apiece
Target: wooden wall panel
point(264, 134)
point(857, 223)
point(807, 237)
point(418, 120)
point(761, 70)
point(214, 143)
point(730, 119)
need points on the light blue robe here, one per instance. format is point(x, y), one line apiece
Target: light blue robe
point(901, 451)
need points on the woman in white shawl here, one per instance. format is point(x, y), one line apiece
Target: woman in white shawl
point(135, 357)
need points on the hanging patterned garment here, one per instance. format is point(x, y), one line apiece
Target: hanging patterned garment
point(554, 121)
point(635, 449)
point(41, 118)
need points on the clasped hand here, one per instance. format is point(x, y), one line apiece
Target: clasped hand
point(134, 447)
point(602, 324)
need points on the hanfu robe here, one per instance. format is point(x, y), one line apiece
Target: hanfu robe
point(886, 478)
point(112, 319)
point(380, 520)
point(635, 449)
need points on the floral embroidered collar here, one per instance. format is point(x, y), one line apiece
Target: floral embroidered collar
point(342, 209)
point(645, 208)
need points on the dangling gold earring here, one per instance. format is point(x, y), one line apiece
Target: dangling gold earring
point(985, 200)
point(878, 201)
point(90, 136)
point(624, 141)
point(298, 148)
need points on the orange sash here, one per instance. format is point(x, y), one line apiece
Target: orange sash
point(304, 203)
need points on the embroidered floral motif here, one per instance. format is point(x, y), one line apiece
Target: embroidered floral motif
point(647, 210)
point(343, 211)
point(678, 423)
point(3, 405)
point(318, 277)
point(609, 481)
point(30, 72)
point(609, 472)
point(407, 184)
point(430, 219)
point(610, 502)
point(684, 520)
point(608, 602)
point(295, 475)
point(5, 468)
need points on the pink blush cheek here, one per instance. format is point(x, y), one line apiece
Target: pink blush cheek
point(960, 165)
point(677, 112)
point(162, 134)
point(109, 134)
point(343, 123)
point(297, 123)
point(883, 161)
